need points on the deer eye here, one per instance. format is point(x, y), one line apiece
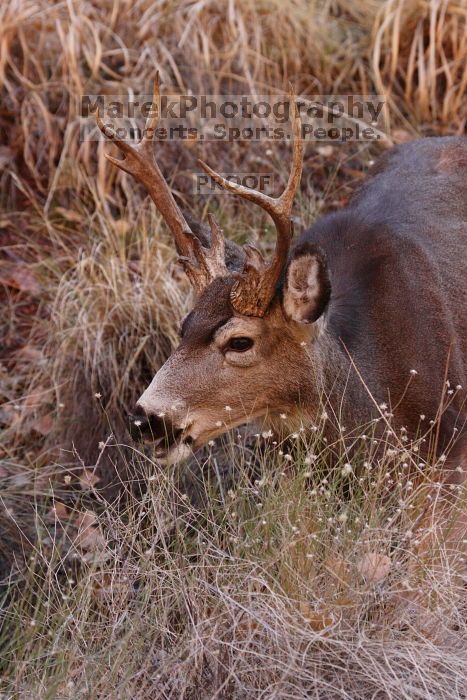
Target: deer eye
point(240, 344)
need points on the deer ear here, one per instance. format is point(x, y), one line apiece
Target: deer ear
point(307, 288)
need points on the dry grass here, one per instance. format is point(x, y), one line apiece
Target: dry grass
point(213, 595)
point(287, 585)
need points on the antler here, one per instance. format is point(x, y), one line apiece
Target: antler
point(200, 263)
point(253, 292)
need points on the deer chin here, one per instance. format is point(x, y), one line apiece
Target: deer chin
point(178, 452)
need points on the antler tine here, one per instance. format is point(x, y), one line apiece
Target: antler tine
point(139, 161)
point(252, 294)
point(278, 207)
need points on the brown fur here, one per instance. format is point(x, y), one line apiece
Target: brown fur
point(395, 263)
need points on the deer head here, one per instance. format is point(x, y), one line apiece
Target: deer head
point(245, 348)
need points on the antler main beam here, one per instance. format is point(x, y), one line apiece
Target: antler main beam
point(253, 292)
point(201, 265)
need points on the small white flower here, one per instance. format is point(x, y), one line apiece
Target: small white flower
point(346, 469)
point(442, 458)
point(458, 387)
point(227, 408)
point(211, 443)
point(101, 445)
point(303, 344)
point(288, 458)
point(161, 415)
point(98, 395)
point(422, 416)
point(413, 372)
point(283, 416)
point(383, 406)
point(266, 434)
point(218, 423)
point(324, 416)
point(137, 423)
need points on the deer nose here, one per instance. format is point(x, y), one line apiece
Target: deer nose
point(156, 428)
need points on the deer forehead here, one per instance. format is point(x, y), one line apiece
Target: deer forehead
point(214, 320)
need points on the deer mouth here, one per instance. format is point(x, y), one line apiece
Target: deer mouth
point(179, 443)
point(173, 447)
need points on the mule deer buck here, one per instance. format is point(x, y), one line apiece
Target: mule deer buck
point(367, 308)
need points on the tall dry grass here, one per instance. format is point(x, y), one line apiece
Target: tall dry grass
point(274, 577)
